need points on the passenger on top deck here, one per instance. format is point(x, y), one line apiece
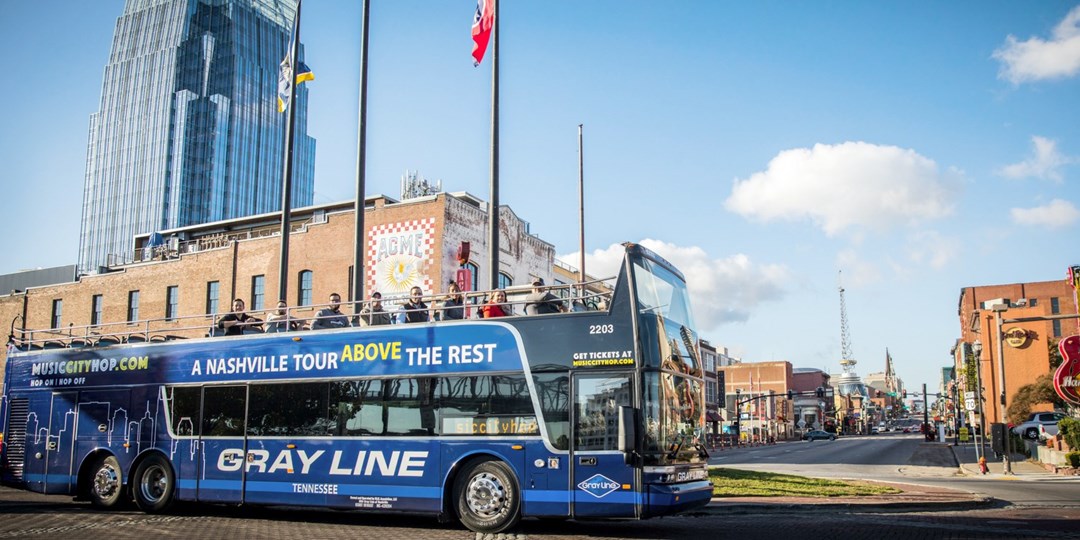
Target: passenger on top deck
point(331, 316)
point(415, 309)
point(541, 301)
point(496, 305)
point(280, 320)
point(453, 308)
point(373, 314)
point(234, 324)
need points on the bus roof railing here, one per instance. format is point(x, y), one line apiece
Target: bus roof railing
point(594, 295)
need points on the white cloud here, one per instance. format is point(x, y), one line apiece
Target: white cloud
point(856, 272)
point(722, 290)
point(1057, 214)
point(1038, 59)
point(1045, 163)
point(930, 247)
point(846, 186)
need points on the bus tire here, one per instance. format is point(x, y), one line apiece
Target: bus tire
point(153, 485)
point(487, 497)
point(104, 483)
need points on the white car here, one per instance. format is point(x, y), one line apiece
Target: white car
point(1039, 425)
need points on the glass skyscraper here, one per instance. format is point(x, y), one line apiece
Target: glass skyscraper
point(188, 130)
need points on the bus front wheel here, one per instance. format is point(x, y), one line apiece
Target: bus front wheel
point(154, 484)
point(104, 484)
point(487, 497)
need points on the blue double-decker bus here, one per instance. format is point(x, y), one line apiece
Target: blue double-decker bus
point(585, 414)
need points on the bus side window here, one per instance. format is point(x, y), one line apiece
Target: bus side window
point(223, 411)
point(288, 410)
point(185, 410)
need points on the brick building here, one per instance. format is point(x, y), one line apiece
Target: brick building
point(192, 276)
point(1024, 345)
point(773, 413)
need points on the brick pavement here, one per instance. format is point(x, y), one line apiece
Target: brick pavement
point(27, 515)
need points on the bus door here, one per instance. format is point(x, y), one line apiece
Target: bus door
point(60, 445)
point(601, 481)
point(222, 444)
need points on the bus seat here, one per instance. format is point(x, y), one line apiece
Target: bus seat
point(105, 341)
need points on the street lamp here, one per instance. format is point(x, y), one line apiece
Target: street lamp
point(980, 437)
point(998, 309)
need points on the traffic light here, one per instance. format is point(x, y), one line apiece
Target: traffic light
point(820, 392)
point(790, 395)
point(997, 437)
point(905, 394)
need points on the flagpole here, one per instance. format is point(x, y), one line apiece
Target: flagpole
point(493, 209)
point(581, 207)
point(286, 182)
point(361, 166)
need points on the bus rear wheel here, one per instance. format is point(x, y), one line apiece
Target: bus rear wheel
point(487, 497)
point(154, 484)
point(104, 485)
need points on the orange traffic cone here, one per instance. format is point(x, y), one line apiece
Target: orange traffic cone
point(982, 465)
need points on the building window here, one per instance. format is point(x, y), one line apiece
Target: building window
point(1032, 302)
point(474, 275)
point(258, 292)
point(57, 312)
point(1055, 306)
point(304, 293)
point(95, 310)
point(505, 280)
point(1057, 328)
point(351, 295)
point(213, 289)
point(133, 306)
point(172, 301)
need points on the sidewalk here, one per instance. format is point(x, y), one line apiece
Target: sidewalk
point(1022, 468)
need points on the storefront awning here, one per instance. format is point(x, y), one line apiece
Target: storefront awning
point(713, 417)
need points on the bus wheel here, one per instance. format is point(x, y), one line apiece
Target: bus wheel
point(104, 487)
point(487, 497)
point(154, 484)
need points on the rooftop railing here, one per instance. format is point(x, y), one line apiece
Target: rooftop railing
point(301, 318)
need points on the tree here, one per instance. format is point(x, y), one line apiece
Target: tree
point(1029, 395)
point(1054, 354)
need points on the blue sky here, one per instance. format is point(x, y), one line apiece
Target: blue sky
point(918, 147)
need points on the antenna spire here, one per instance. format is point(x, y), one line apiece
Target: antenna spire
point(847, 359)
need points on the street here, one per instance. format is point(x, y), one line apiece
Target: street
point(1028, 506)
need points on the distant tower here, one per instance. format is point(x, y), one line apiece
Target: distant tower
point(413, 185)
point(849, 382)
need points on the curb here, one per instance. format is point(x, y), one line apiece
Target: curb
point(719, 507)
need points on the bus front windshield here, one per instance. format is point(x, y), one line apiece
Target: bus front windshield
point(674, 393)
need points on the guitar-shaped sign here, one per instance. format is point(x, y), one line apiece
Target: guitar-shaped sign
point(1067, 376)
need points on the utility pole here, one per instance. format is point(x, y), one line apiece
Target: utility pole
point(998, 308)
point(925, 412)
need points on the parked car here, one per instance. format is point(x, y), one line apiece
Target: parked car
point(818, 435)
point(1039, 424)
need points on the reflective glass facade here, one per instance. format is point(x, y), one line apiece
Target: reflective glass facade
point(188, 130)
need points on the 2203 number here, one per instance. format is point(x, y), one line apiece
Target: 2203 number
point(601, 329)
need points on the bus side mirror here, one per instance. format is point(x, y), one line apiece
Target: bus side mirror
point(627, 434)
